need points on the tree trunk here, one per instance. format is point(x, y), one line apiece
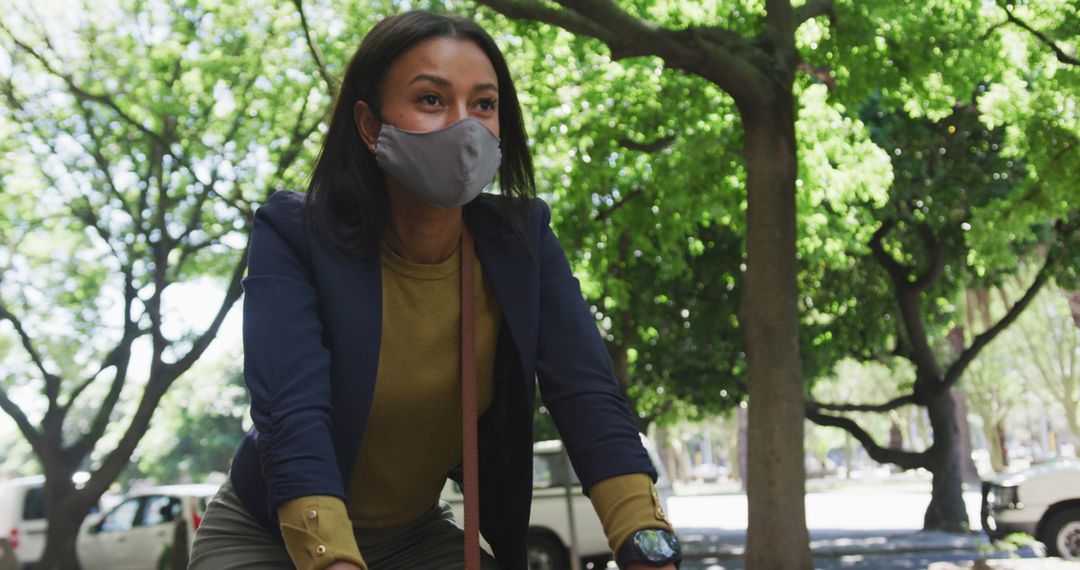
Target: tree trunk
point(994, 446)
point(947, 510)
point(738, 469)
point(668, 456)
point(1001, 442)
point(60, 542)
point(849, 456)
point(969, 472)
point(775, 487)
point(62, 509)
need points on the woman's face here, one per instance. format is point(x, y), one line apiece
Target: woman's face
point(435, 84)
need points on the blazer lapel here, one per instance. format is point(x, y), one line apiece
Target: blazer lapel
point(512, 273)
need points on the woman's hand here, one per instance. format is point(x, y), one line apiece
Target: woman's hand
point(342, 565)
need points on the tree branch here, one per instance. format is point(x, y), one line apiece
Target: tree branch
point(316, 53)
point(901, 458)
point(956, 370)
point(648, 147)
point(896, 270)
point(120, 357)
point(52, 381)
point(907, 295)
point(78, 91)
point(568, 21)
point(878, 408)
point(822, 74)
point(814, 8)
point(937, 260)
point(607, 212)
point(715, 54)
point(232, 294)
point(15, 412)
point(610, 16)
point(1058, 52)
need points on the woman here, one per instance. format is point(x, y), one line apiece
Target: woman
point(352, 334)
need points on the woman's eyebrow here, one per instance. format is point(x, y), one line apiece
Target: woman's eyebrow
point(445, 83)
point(441, 82)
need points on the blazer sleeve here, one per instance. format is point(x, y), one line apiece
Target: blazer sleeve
point(286, 365)
point(577, 383)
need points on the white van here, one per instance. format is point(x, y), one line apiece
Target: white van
point(549, 524)
point(22, 517)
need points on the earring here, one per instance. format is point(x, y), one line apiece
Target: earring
point(372, 148)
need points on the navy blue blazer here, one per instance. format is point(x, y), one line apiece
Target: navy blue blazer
point(312, 325)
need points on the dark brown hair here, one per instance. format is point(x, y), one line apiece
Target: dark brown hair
point(347, 201)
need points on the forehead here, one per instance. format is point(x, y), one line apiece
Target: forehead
point(459, 61)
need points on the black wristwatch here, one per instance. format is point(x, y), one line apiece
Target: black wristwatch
point(654, 547)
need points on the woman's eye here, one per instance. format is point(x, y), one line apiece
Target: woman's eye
point(429, 99)
point(487, 105)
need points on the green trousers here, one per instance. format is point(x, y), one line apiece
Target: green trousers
point(229, 537)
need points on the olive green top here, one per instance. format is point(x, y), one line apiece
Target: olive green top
point(413, 435)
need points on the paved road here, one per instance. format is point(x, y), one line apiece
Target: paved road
point(853, 508)
point(884, 562)
point(855, 524)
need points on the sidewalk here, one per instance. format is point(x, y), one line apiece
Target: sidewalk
point(707, 543)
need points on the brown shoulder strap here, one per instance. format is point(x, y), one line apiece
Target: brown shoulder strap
point(469, 411)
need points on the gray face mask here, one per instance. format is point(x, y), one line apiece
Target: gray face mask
point(448, 167)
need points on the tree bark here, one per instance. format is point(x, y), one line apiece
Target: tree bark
point(739, 462)
point(947, 510)
point(1001, 442)
point(60, 538)
point(969, 471)
point(775, 483)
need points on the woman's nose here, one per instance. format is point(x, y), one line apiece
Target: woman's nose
point(457, 112)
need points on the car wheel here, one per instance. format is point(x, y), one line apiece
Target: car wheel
point(547, 553)
point(1061, 534)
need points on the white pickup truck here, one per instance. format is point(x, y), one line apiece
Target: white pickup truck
point(1043, 501)
point(550, 539)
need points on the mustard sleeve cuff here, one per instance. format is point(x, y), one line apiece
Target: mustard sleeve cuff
point(627, 504)
point(317, 531)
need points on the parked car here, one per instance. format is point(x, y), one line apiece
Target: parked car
point(1043, 501)
point(549, 523)
point(151, 529)
point(22, 517)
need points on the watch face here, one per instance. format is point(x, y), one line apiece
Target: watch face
point(656, 545)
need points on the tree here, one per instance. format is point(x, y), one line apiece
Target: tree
point(139, 144)
point(948, 176)
point(1040, 139)
point(753, 57)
